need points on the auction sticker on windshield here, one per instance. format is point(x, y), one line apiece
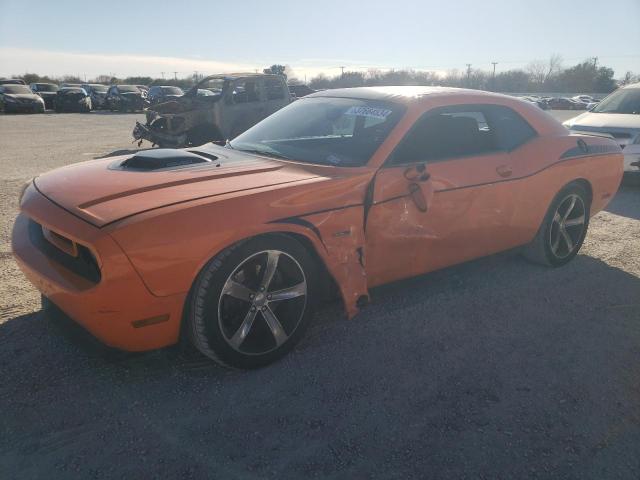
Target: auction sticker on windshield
point(371, 112)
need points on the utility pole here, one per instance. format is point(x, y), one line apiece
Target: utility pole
point(468, 73)
point(595, 62)
point(195, 74)
point(175, 76)
point(493, 78)
point(342, 71)
point(162, 73)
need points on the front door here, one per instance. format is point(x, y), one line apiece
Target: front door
point(441, 197)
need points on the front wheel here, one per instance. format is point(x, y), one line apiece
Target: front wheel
point(563, 229)
point(252, 303)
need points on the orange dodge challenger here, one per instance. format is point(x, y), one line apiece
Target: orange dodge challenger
point(232, 246)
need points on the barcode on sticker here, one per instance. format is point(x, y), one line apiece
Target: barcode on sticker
point(371, 112)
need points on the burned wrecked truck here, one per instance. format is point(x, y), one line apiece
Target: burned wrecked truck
point(218, 108)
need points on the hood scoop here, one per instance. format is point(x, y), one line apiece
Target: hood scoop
point(163, 159)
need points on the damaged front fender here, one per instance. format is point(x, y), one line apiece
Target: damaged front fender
point(157, 137)
point(341, 234)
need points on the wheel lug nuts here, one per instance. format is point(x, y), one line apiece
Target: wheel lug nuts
point(264, 308)
point(262, 289)
point(253, 308)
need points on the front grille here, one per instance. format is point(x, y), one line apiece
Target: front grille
point(82, 264)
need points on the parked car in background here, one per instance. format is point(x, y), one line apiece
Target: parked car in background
point(125, 98)
point(72, 99)
point(12, 81)
point(98, 94)
point(143, 88)
point(162, 93)
point(232, 247)
point(617, 116)
point(564, 103)
point(70, 85)
point(47, 91)
point(537, 101)
point(16, 98)
point(301, 90)
point(234, 103)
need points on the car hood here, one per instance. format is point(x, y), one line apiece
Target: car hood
point(605, 120)
point(103, 191)
point(23, 96)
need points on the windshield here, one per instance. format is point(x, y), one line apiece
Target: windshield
point(214, 85)
point(128, 88)
point(343, 132)
point(66, 91)
point(16, 89)
point(172, 91)
point(46, 87)
point(625, 100)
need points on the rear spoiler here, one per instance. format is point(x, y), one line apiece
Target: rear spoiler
point(593, 134)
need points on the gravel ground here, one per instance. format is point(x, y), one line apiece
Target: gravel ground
point(534, 374)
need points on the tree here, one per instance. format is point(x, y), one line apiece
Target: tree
point(628, 78)
point(276, 70)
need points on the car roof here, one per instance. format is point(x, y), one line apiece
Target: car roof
point(233, 76)
point(632, 85)
point(401, 94)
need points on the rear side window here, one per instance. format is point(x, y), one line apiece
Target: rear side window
point(462, 131)
point(511, 130)
point(245, 91)
point(274, 89)
point(447, 133)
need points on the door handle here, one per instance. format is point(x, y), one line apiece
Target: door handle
point(504, 171)
point(417, 173)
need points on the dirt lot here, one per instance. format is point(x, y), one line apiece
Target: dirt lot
point(493, 369)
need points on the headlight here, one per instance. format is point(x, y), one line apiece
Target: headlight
point(24, 189)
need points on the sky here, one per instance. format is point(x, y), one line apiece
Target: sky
point(155, 38)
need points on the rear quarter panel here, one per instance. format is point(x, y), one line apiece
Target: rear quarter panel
point(542, 167)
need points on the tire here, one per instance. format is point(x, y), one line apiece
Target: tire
point(566, 223)
point(231, 320)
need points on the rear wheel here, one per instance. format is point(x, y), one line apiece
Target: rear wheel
point(563, 229)
point(252, 303)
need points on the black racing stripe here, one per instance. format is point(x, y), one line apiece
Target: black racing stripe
point(303, 223)
point(562, 159)
point(590, 150)
point(391, 199)
point(330, 210)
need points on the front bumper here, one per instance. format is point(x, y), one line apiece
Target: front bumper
point(35, 107)
point(117, 308)
point(631, 157)
point(144, 132)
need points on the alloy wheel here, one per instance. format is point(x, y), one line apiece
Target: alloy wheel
point(262, 302)
point(567, 226)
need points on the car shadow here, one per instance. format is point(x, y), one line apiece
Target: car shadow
point(492, 351)
point(626, 202)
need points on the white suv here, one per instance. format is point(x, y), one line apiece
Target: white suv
point(618, 117)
